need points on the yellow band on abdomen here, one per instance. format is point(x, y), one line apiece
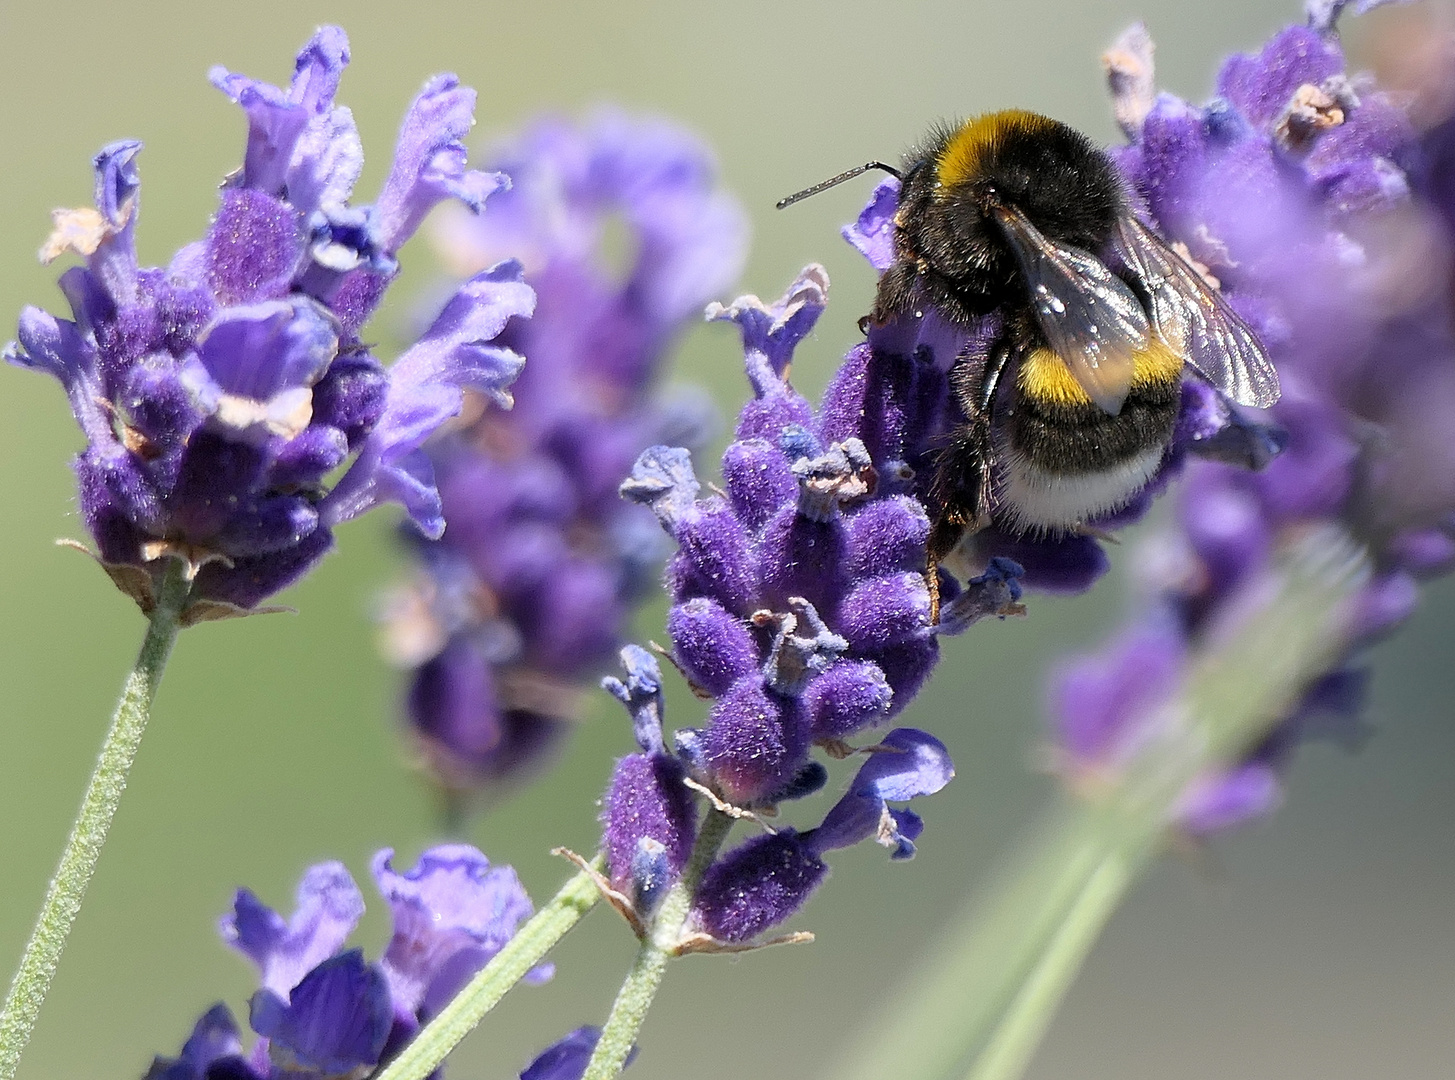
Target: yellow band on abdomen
point(1046, 379)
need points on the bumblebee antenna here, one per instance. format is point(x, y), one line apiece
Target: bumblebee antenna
point(799, 196)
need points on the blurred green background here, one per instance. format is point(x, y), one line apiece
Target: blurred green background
point(1318, 944)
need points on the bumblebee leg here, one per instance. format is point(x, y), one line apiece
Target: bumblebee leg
point(961, 487)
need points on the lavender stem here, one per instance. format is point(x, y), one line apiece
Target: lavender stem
point(641, 983)
point(988, 996)
point(88, 835)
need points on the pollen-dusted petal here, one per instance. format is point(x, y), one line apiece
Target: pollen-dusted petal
point(716, 559)
point(254, 246)
point(753, 745)
point(887, 610)
point(713, 646)
point(886, 535)
point(848, 697)
point(1261, 85)
point(802, 557)
point(756, 886)
point(647, 799)
point(759, 480)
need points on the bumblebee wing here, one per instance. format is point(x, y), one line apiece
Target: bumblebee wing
point(1195, 319)
point(1091, 320)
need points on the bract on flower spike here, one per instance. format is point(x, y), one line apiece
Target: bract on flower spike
point(218, 393)
point(521, 605)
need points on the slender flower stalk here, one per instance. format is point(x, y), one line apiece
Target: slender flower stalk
point(989, 993)
point(88, 835)
point(629, 1010)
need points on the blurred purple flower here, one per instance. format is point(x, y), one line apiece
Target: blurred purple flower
point(524, 600)
point(217, 394)
point(1312, 198)
point(326, 1013)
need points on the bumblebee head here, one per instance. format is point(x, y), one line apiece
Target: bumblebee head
point(1057, 177)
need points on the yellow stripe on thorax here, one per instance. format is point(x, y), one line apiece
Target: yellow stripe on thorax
point(1045, 378)
point(966, 149)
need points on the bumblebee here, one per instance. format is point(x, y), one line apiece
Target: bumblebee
point(1069, 411)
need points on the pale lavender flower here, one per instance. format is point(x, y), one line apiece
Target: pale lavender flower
point(217, 394)
point(322, 1012)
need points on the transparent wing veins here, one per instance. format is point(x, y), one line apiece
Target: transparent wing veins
point(1195, 319)
point(1091, 319)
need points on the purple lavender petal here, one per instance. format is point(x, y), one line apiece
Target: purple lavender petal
point(1261, 86)
point(915, 763)
point(328, 907)
point(429, 162)
point(713, 646)
point(567, 1058)
point(276, 118)
point(336, 1021)
point(452, 913)
point(872, 233)
point(1217, 803)
point(772, 331)
point(426, 387)
point(641, 693)
point(1101, 701)
point(213, 1040)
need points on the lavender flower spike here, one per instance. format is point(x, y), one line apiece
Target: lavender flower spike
point(322, 1013)
point(520, 607)
point(1292, 189)
point(217, 394)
